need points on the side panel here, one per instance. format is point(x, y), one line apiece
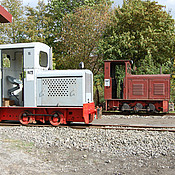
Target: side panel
point(59, 91)
point(159, 89)
point(137, 89)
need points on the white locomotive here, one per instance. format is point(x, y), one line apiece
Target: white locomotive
point(32, 91)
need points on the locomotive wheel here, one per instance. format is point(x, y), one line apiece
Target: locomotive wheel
point(138, 107)
point(152, 107)
point(55, 119)
point(125, 107)
point(24, 117)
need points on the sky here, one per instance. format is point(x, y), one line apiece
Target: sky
point(170, 4)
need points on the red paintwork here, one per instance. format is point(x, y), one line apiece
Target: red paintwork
point(165, 106)
point(5, 16)
point(67, 114)
point(107, 89)
point(148, 86)
point(144, 89)
point(89, 112)
point(107, 75)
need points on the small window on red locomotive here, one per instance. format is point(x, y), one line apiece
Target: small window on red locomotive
point(43, 59)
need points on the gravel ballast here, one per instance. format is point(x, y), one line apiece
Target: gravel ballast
point(53, 150)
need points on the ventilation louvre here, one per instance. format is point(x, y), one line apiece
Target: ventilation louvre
point(138, 89)
point(58, 87)
point(159, 89)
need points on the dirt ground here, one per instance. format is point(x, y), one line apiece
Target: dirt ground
point(21, 157)
point(19, 160)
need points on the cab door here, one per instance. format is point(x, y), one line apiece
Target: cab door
point(29, 78)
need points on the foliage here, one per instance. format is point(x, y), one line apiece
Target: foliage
point(142, 31)
point(57, 10)
point(80, 37)
point(36, 23)
point(76, 28)
point(13, 32)
point(29, 24)
point(99, 89)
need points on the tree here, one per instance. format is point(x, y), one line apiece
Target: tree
point(142, 31)
point(80, 37)
point(57, 9)
point(36, 23)
point(14, 32)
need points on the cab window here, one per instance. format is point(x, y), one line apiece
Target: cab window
point(43, 59)
point(6, 60)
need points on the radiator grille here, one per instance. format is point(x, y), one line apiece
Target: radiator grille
point(58, 87)
point(88, 80)
point(159, 89)
point(138, 89)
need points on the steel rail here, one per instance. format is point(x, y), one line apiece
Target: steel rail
point(131, 125)
point(102, 126)
point(126, 127)
point(141, 114)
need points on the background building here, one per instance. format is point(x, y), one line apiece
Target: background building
point(5, 16)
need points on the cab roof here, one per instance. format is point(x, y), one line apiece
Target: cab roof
point(22, 45)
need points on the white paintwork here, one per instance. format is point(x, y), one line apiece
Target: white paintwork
point(33, 89)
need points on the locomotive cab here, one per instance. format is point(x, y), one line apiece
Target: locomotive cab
point(20, 64)
point(115, 73)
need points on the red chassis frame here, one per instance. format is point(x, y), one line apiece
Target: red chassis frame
point(160, 105)
point(55, 115)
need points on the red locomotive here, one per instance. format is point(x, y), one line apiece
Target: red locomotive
point(135, 92)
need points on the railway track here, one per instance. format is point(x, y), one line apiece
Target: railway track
point(137, 127)
point(126, 127)
point(142, 114)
